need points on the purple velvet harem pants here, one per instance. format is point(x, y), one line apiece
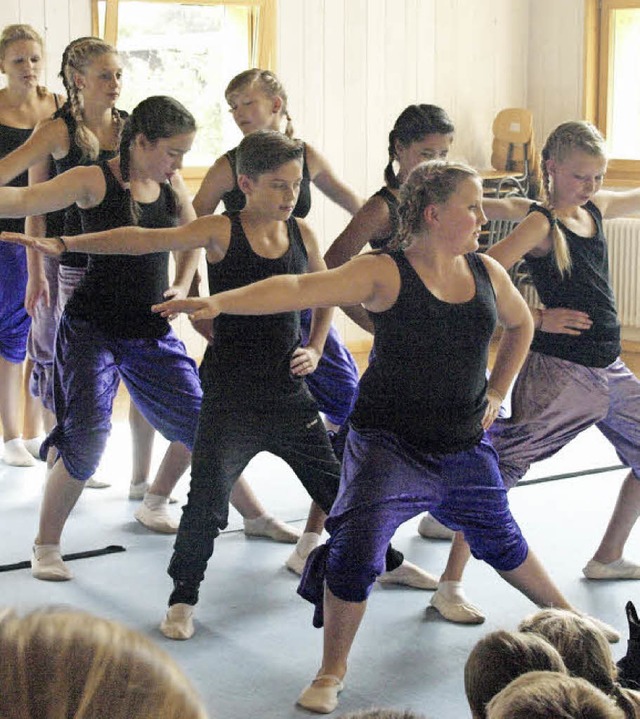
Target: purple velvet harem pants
point(161, 378)
point(385, 482)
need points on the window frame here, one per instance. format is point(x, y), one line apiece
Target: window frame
point(620, 171)
point(262, 32)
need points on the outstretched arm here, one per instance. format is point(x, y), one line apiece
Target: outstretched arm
point(84, 186)
point(325, 179)
point(618, 204)
point(516, 337)
point(360, 280)
point(211, 232)
point(507, 208)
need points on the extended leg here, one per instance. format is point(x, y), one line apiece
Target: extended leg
point(341, 622)
point(608, 562)
point(60, 496)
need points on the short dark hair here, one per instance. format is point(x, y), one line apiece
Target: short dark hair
point(264, 151)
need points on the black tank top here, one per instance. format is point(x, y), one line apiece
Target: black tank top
point(586, 288)
point(234, 200)
point(250, 355)
point(391, 201)
point(117, 291)
point(67, 221)
point(427, 381)
point(10, 139)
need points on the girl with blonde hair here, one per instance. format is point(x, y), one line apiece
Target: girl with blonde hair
point(417, 434)
point(23, 103)
point(573, 377)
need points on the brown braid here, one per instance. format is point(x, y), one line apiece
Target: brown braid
point(78, 55)
point(156, 118)
point(430, 183)
point(566, 138)
point(412, 125)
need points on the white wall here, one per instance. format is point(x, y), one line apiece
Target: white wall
point(351, 66)
point(556, 64)
point(59, 21)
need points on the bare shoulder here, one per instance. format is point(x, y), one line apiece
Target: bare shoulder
point(218, 180)
point(308, 235)
point(221, 173)
point(215, 233)
point(493, 267)
point(315, 160)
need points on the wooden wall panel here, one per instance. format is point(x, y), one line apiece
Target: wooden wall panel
point(351, 66)
point(58, 21)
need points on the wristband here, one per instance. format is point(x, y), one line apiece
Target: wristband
point(62, 242)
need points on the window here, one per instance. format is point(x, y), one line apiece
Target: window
point(612, 92)
point(188, 50)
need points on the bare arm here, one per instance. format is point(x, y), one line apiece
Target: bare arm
point(84, 186)
point(324, 178)
point(530, 236)
point(363, 279)
point(201, 232)
point(370, 223)
point(36, 226)
point(218, 180)
point(321, 318)
point(514, 344)
point(507, 208)
point(47, 139)
point(618, 204)
point(186, 260)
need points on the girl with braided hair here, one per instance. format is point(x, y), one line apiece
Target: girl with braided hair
point(573, 377)
point(23, 103)
point(107, 332)
point(86, 129)
point(417, 437)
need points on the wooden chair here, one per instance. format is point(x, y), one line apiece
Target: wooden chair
point(513, 156)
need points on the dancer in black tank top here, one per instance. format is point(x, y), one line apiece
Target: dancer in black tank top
point(23, 103)
point(255, 398)
point(258, 101)
point(105, 334)
point(434, 307)
point(573, 377)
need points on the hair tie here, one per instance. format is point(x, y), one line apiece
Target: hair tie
point(535, 207)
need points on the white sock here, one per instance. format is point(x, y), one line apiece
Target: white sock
point(307, 543)
point(16, 454)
